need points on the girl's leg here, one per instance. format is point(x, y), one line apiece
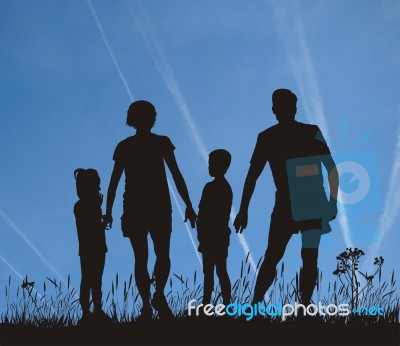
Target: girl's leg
point(84, 294)
point(98, 268)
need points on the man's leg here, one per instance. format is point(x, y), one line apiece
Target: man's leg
point(309, 271)
point(224, 280)
point(279, 236)
point(141, 252)
point(208, 272)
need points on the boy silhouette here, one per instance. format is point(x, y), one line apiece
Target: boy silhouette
point(92, 240)
point(278, 145)
point(212, 226)
point(147, 205)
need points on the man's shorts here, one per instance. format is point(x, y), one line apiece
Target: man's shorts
point(282, 222)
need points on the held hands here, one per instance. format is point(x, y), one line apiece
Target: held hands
point(191, 216)
point(240, 222)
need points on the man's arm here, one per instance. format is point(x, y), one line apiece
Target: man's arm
point(333, 175)
point(112, 189)
point(248, 189)
point(333, 179)
point(181, 187)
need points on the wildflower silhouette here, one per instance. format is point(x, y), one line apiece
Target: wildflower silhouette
point(348, 267)
point(26, 284)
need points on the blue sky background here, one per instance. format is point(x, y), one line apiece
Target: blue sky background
point(69, 70)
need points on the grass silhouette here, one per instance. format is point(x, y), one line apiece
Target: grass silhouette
point(51, 317)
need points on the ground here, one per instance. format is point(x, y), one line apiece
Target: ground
point(202, 331)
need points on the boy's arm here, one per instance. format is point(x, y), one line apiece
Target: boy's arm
point(112, 188)
point(181, 187)
point(333, 179)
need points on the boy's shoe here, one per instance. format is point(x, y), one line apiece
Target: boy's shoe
point(159, 303)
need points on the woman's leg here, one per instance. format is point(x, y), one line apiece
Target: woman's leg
point(141, 252)
point(162, 266)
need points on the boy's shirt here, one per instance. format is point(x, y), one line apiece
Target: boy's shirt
point(146, 186)
point(214, 211)
point(90, 228)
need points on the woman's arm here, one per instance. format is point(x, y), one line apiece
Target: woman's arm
point(112, 189)
point(181, 187)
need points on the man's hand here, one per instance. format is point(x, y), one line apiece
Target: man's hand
point(332, 209)
point(240, 222)
point(108, 220)
point(191, 216)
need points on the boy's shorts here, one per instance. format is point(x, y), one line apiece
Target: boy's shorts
point(214, 244)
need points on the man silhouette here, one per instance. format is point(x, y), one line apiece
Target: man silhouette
point(279, 145)
point(147, 204)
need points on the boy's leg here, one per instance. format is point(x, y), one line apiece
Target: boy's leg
point(208, 271)
point(224, 280)
point(98, 268)
point(84, 293)
point(309, 271)
point(141, 252)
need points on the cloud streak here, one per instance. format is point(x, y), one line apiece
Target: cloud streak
point(392, 202)
point(164, 68)
point(34, 290)
point(8, 264)
point(109, 49)
point(5, 217)
point(291, 30)
point(16, 272)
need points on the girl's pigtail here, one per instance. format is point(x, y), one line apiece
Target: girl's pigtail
point(78, 170)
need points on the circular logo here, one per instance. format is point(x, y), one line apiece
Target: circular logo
point(359, 173)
